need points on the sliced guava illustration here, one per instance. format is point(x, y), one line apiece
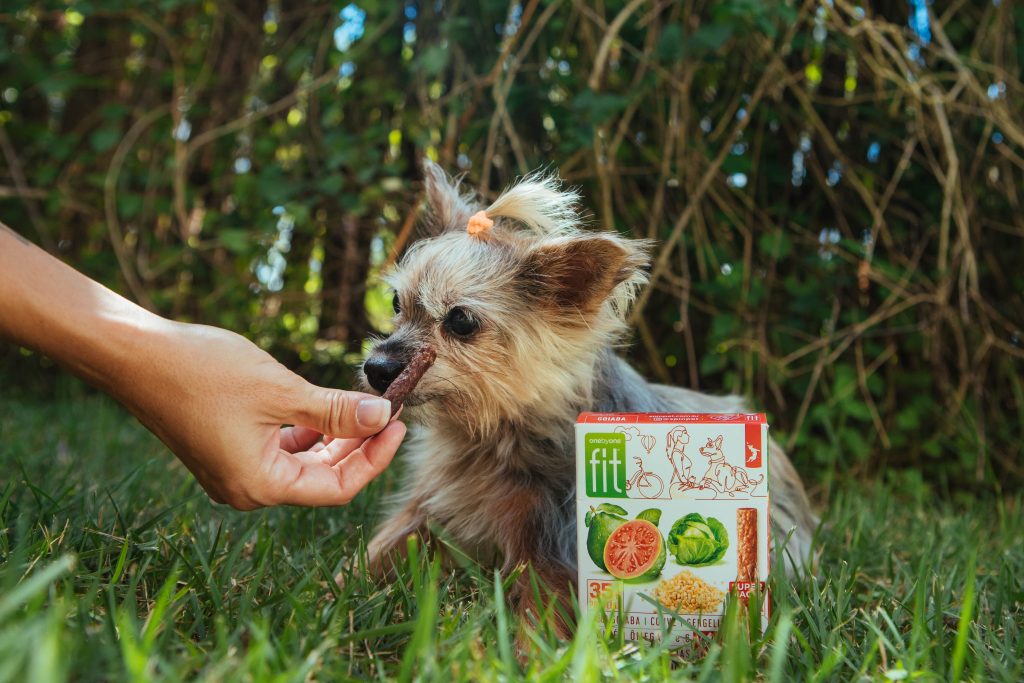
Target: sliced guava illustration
point(635, 551)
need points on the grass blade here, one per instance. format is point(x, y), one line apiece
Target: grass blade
point(34, 584)
point(963, 628)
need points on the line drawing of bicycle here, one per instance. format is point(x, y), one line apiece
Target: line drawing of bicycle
point(648, 484)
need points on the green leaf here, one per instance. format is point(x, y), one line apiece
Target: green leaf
point(775, 244)
point(129, 204)
point(695, 552)
point(721, 536)
point(235, 239)
point(611, 508)
point(599, 107)
point(331, 184)
point(103, 139)
point(652, 515)
point(708, 38)
point(434, 59)
point(670, 44)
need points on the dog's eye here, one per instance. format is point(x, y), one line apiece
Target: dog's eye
point(395, 305)
point(459, 323)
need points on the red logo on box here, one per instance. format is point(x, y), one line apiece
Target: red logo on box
point(745, 588)
point(754, 447)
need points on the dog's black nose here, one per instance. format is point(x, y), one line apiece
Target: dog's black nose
point(381, 371)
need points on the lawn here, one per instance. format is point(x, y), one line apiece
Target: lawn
point(115, 566)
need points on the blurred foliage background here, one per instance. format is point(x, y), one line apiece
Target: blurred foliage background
point(835, 187)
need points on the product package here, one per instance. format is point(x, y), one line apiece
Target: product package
point(672, 516)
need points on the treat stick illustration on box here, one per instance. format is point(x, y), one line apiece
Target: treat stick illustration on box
point(668, 556)
point(746, 550)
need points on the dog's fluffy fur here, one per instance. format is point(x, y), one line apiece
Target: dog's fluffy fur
point(492, 456)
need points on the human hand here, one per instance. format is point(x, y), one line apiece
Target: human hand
point(215, 398)
point(218, 402)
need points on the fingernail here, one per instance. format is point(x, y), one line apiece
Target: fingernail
point(373, 412)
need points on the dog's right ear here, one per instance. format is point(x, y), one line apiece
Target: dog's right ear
point(449, 207)
point(580, 272)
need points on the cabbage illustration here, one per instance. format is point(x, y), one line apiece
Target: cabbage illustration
point(697, 542)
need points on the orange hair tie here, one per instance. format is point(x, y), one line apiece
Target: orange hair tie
point(478, 224)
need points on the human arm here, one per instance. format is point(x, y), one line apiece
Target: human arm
point(214, 398)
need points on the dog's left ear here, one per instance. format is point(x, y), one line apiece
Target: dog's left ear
point(450, 204)
point(582, 271)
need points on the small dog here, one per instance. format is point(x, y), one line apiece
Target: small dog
point(524, 321)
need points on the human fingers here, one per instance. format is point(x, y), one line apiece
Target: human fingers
point(294, 439)
point(367, 461)
point(299, 479)
point(339, 413)
point(328, 453)
point(338, 449)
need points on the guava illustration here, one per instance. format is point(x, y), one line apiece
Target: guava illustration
point(635, 551)
point(602, 521)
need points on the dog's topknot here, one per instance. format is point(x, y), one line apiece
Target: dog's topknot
point(539, 206)
point(538, 201)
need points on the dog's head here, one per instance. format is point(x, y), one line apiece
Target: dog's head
point(713, 448)
point(516, 314)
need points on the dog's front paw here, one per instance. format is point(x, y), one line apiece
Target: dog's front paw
point(381, 558)
point(391, 542)
point(377, 567)
point(348, 572)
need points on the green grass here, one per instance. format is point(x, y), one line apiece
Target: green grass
point(114, 566)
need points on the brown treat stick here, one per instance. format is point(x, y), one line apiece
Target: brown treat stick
point(746, 544)
point(746, 547)
point(403, 385)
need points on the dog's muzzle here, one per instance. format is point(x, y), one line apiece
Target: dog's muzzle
point(381, 371)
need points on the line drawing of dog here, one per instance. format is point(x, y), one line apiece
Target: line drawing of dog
point(722, 477)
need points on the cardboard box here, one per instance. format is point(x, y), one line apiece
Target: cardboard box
point(700, 483)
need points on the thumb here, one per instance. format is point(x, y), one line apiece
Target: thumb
point(340, 413)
